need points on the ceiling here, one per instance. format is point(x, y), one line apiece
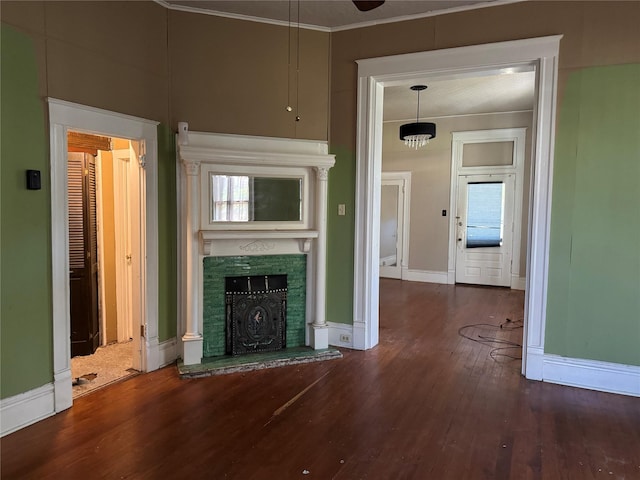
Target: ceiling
point(325, 14)
point(502, 92)
point(489, 93)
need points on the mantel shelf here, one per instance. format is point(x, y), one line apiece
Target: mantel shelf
point(208, 235)
point(258, 241)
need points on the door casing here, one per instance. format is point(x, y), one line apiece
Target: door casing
point(376, 73)
point(64, 116)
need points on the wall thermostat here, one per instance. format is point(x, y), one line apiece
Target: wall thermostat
point(33, 180)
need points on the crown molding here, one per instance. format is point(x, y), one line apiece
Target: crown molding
point(320, 28)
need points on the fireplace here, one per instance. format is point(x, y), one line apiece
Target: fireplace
point(256, 311)
point(222, 172)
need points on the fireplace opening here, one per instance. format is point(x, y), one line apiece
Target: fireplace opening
point(256, 311)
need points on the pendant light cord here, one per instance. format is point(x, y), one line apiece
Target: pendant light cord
point(298, 67)
point(289, 62)
point(418, 109)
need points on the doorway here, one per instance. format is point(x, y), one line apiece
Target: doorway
point(103, 192)
point(394, 224)
point(373, 75)
point(65, 117)
point(484, 229)
point(487, 196)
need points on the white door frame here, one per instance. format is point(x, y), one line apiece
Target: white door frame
point(459, 139)
point(121, 193)
point(376, 73)
point(404, 179)
point(64, 116)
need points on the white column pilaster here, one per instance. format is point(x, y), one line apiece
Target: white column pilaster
point(192, 338)
point(320, 329)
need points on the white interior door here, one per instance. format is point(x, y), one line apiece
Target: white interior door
point(391, 228)
point(390, 218)
point(484, 229)
point(122, 220)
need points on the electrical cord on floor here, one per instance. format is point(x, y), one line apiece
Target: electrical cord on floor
point(496, 352)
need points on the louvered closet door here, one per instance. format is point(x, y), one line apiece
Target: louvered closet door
point(83, 257)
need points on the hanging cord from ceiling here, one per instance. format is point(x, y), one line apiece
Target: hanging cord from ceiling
point(298, 66)
point(289, 108)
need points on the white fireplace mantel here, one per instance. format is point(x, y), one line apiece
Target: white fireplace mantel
point(204, 154)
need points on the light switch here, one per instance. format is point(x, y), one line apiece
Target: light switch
point(341, 209)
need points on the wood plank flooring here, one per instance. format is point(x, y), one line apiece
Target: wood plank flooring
point(426, 403)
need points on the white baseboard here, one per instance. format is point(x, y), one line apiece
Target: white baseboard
point(518, 283)
point(592, 375)
point(390, 260)
point(534, 363)
point(153, 354)
point(340, 334)
point(359, 337)
point(62, 390)
point(26, 408)
point(167, 352)
point(426, 276)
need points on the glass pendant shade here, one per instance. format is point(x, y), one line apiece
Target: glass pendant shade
point(417, 134)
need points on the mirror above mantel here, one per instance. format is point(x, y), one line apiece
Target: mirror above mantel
point(256, 183)
point(257, 197)
point(253, 198)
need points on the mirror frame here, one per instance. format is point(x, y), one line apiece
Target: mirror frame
point(206, 189)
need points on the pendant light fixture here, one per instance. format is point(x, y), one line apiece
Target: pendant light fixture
point(417, 134)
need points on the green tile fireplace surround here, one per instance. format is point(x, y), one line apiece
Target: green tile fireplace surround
point(215, 269)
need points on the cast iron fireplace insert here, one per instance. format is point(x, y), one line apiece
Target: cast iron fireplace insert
point(256, 311)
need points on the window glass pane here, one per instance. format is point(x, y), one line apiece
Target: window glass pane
point(485, 214)
point(487, 154)
point(230, 198)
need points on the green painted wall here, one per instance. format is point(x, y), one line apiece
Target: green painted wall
point(167, 234)
point(593, 308)
point(25, 253)
point(340, 237)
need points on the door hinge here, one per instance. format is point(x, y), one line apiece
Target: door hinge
point(143, 331)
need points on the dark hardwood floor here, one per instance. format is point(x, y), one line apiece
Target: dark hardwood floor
point(427, 403)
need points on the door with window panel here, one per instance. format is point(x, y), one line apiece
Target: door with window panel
point(484, 229)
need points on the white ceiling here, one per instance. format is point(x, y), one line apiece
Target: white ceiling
point(444, 97)
point(326, 14)
point(505, 92)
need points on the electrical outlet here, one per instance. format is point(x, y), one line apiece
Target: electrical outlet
point(345, 338)
point(342, 210)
